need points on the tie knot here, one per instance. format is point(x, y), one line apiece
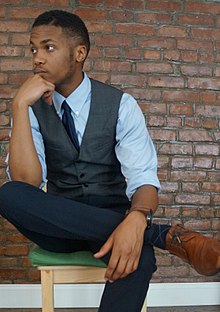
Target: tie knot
point(66, 107)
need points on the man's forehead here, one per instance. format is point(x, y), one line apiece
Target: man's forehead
point(46, 32)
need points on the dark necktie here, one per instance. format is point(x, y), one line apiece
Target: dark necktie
point(69, 125)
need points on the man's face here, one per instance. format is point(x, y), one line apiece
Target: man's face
point(54, 58)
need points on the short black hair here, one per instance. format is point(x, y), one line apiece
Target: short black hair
point(69, 22)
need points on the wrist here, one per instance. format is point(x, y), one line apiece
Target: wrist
point(147, 214)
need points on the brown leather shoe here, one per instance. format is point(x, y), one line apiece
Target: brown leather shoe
point(201, 252)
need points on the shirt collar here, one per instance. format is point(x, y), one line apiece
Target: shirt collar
point(76, 99)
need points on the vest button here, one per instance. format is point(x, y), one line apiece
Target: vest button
point(85, 184)
point(82, 175)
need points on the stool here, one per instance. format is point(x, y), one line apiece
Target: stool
point(79, 267)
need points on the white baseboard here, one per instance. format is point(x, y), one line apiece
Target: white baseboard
point(160, 294)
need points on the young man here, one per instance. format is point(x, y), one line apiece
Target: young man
point(89, 141)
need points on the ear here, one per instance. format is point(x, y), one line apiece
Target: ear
point(80, 53)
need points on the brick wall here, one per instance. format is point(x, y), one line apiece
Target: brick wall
point(166, 54)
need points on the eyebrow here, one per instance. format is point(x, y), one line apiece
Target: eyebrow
point(44, 41)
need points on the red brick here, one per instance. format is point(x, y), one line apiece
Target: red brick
point(3, 106)
point(10, 51)
point(175, 122)
point(206, 33)
point(164, 5)
point(211, 187)
point(3, 78)
point(17, 78)
point(153, 108)
point(190, 70)
point(182, 162)
point(175, 149)
point(189, 212)
point(163, 175)
point(133, 54)
point(181, 175)
point(97, 27)
point(91, 2)
point(15, 64)
point(163, 161)
point(112, 53)
point(103, 77)
point(4, 120)
point(201, 7)
point(172, 31)
point(122, 16)
point(152, 55)
point(50, 3)
point(164, 271)
point(24, 12)
point(181, 96)
point(202, 162)
point(216, 225)
point(155, 121)
point(144, 94)
point(13, 26)
point(126, 4)
point(145, 17)
point(12, 274)
point(209, 97)
point(192, 199)
point(173, 55)
point(163, 135)
point(113, 41)
point(128, 80)
point(207, 110)
point(149, 68)
point(188, 56)
point(207, 149)
point(169, 82)
point(203, 20)
point(3, 38)
point(192, 122)
point(181, 109)
point(4, 134)
point(198, 225)
point(190, 187)
point(166, 199)
point(157, 43)
point(210, 123)
point(204, 83)
point(92, 14)
point(194, 136)
point(205, 57)
point(134, 28)
point(16, 250)
point(2, 12)
point(112, 66)
point(169, 187)
point(20, 39)
point(198, 45)
point(206, 213)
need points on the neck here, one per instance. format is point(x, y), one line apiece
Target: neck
point(67, 88)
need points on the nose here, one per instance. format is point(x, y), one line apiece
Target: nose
point(38, 58)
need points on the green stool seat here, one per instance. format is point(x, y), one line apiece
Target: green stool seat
point(41, 257)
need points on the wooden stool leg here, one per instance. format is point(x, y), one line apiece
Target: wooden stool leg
point(144, 308)
point(47, 289)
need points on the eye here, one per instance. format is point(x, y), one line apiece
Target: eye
point(50, 48)
point(33, 50)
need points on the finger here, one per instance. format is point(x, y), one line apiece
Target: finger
point(120, 269)
point(111, 267)
point(104, 249)
point(47, 96)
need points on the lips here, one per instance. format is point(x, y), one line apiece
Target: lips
point(39, 71)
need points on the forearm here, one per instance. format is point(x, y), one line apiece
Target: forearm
point(24, 164)
point(145, 199)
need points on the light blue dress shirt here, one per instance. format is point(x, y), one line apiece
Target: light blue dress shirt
point(134, 148)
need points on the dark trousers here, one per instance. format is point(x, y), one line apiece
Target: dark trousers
point(64, 225)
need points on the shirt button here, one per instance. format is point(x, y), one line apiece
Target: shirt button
point(82, 175)
point(77, 113)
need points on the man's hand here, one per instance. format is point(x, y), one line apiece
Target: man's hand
point(32, 89)
point(126, 244)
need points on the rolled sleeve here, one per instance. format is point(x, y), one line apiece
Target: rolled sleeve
point(134, 149)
